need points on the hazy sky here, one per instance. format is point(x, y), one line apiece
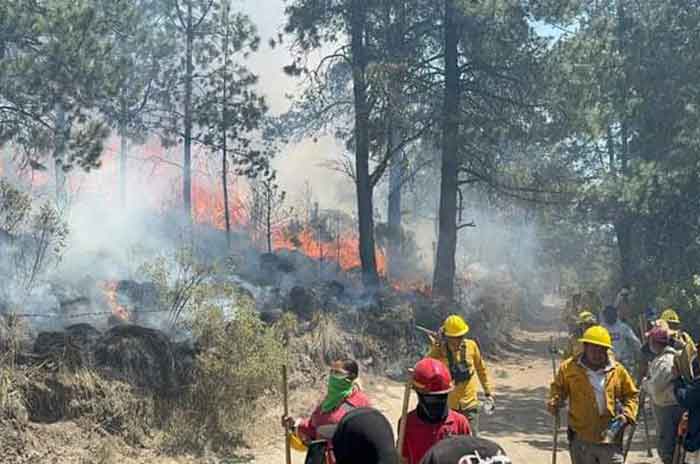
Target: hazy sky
point(304, 162)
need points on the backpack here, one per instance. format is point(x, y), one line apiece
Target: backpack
point(461, 371)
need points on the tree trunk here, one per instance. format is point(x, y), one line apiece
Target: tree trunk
point(224, 122)
point(443, 279)
point(623, 233)
point(268, 217)
point(363, 183)
point(59, 154)
point(224, 182)
point(396, 167)
point(187, 162)
point(394, 210)
point(123, 149)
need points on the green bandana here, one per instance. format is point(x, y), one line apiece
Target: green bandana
point(339, 388)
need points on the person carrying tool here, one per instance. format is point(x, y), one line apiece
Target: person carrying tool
point(674, 323)
point(626, 345)
point(659, 385)
point(342, 396)
point(432, 420)
point(463, 358)
point(594, 386)
point(364, 436)
point(584, 320)
point(466, 450)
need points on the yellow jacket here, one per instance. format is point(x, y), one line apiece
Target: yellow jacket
point(571, 383)
point(464, 395)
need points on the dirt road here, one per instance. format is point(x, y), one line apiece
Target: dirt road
point(520, 424)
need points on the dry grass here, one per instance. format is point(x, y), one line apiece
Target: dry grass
point(90, 399)
point(12, 405)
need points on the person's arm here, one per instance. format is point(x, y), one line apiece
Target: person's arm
point(629, 397)
point(435, 351)
point(305, 429)
point(558, 393)
point(480, 367)
point(633, 340)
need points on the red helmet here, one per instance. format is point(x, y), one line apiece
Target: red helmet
point(431, 377)
point(659, 335)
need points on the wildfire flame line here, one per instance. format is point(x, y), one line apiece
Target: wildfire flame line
point(110, 291)
point(344, 250)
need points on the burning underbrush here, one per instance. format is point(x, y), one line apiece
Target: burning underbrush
point(186, 355)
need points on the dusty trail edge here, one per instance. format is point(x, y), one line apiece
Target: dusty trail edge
point(520, 424)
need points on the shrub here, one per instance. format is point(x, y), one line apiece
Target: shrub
point(240, 361)
point(31, 242)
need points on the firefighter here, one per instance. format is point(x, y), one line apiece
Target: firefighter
point(342, 396)
point(584, 320)
point(364, 436)
point(626, 345)
point(463, 358)
point(659, 384)
point(595, 387)
point(433, 419)
point(674, 323)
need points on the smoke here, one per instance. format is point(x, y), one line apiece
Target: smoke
point(109, 240)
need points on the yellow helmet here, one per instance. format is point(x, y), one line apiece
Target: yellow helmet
point(296, 443)
point(454, 326)
point(669, 315)
point(597, 335)
point(585, 317)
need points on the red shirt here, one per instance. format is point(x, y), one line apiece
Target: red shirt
point(421, 436)
point(308, 428)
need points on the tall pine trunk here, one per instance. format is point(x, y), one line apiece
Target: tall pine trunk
point(59, 155)
point(444, 276)
point(394, 209)
point(224, 126)
point(224, 182)
point(187, 162)
point(268, 216)
point(123, 150)
point(364, 186)
point(396, 167)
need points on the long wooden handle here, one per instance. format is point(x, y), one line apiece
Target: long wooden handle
point(404, 411)
point(557, 425)
point(555, 438)
point(287, 432)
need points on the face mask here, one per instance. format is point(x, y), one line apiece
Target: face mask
point(339, 388)
point(433, 408)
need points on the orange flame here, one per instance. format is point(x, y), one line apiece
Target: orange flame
point(344, 250)
point(208, 205)
point(110, 291)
